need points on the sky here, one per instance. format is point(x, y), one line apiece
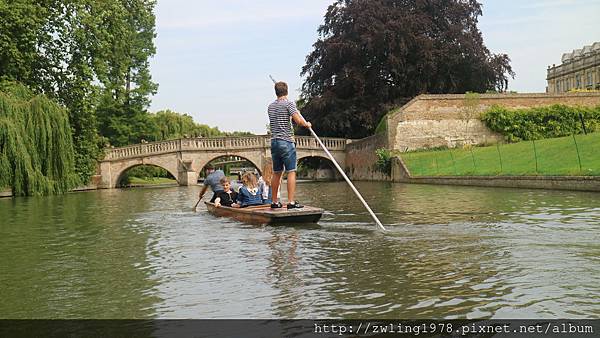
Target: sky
point(213, 58)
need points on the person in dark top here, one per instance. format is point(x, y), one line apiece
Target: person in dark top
point(227, 197)
point(213, 180)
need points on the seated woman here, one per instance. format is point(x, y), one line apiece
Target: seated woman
point(250, 193)
point(265, 183)
point(227, 197)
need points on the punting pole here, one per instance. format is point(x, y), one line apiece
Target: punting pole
point(344, 175)
point(348, 180)
point(197, 204)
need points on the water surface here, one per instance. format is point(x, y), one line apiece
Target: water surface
point(451, 252)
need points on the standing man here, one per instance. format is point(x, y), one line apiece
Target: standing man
point(212, 180)
point(283, 148)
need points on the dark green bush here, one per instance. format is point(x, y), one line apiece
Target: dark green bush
point(541, 122)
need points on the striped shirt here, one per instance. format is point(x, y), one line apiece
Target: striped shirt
point(280, 114)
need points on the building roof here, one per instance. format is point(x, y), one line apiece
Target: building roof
point(576, 53)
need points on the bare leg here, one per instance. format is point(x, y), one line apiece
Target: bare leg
point(275, 186)
point(291, 186)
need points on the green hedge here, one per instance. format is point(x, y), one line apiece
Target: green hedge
point(541, 122)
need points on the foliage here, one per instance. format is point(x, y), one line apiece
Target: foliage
point(136, 181)
point(375, 54)
point(36, 149)
point(541, 122)
point(582, 90)
point(382, 125)
point(172, 125)
point(144, 172)
point(91, 56)
point(384, 160)
point(168, 125)
point(569, 155)
point(124, 71)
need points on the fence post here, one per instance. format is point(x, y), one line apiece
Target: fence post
point(535, 154)
point(582, 123)
point(453, 162)
point(578, 157)
point(473, 157)
point(499, 156)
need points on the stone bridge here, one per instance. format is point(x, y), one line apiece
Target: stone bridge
point(185, 158)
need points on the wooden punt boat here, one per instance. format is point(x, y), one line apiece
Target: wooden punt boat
point(263, 214)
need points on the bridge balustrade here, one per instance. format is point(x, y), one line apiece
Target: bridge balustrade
point(217, 143)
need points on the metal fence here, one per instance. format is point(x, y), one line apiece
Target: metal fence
point(571, 155)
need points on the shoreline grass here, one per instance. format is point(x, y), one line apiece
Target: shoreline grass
point(137, 181)
point(577, 155)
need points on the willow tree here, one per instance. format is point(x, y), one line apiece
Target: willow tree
point(36, 148)
point(374, 54)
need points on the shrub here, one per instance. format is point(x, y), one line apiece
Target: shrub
point(541, 122)
point(384, 161)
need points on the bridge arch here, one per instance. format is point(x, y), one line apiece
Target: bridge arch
point(317, 173)
point(169, 163)
point(256, 161)
point(122, 173)
point(314, 156)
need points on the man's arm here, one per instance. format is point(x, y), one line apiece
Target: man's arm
point(203, 191)
point(299, 119)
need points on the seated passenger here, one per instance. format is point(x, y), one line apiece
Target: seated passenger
point(265, 183)
point(227, 197)
point(250, 193)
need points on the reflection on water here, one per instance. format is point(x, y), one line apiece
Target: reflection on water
point(451, 252)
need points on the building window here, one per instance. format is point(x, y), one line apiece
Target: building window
point(577, 81)
point(558, 86)
point(589, 78)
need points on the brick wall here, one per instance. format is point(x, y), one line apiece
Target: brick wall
point(361, 158)
point(443, 120)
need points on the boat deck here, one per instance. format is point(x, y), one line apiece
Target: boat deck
point(263, 214)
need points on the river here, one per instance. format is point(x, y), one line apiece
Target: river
point(450, 252)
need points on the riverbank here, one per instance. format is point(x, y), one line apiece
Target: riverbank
point(401, 174)
point(150, 181)
point(574, 155)
point(133, 183)
point(5, 192)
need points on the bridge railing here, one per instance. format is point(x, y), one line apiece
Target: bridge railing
point(217, 143)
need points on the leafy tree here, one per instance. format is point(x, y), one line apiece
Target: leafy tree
point(124, 70)
point(49, 46)
point(172, 125)
point(93, 57)
point(374, 54)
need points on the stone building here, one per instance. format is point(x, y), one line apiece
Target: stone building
point(580, 69)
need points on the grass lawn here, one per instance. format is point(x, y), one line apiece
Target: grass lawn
point(150, 181)
point(556, 156)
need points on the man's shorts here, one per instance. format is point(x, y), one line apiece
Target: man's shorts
point(283, 154)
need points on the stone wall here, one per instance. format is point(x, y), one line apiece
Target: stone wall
point(361, 158)
point(445, 120)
